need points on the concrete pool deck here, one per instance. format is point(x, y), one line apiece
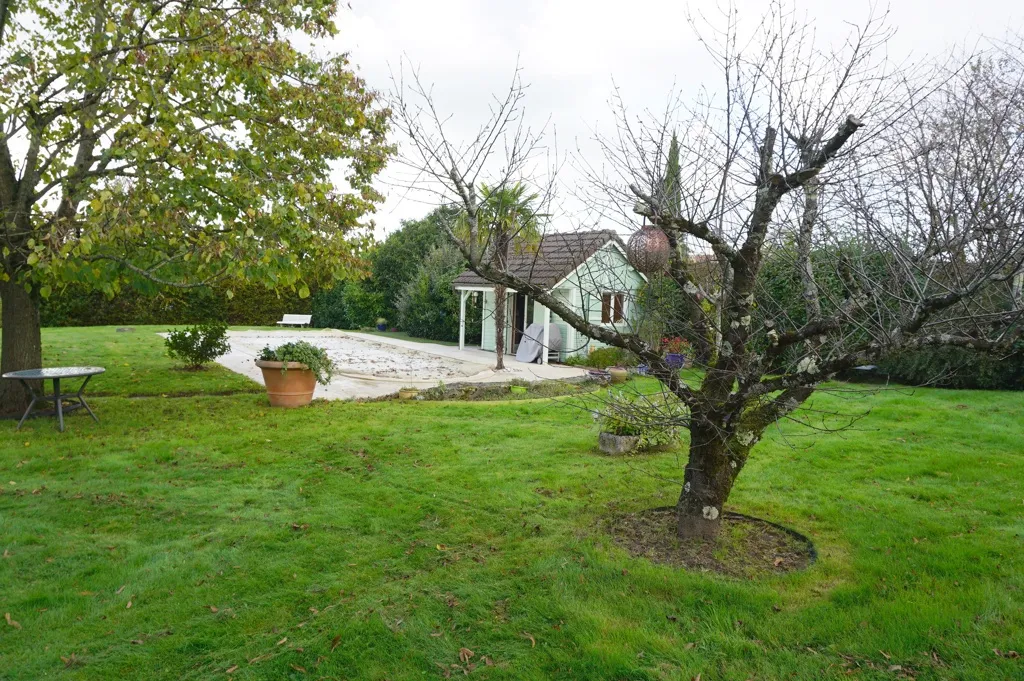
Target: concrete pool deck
point(371, 366)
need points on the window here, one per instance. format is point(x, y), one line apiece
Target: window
point(613, 307)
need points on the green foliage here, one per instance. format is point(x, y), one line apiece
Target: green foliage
point(655, 419)
point(315, 359)
point(602, 358)
point(396, 261)
point(228, 130)
point(661, 310)
point(956, 367)
point(251, 304)
point(780, 292)
point(428, 307)
point(347, 305)
point(198, 345)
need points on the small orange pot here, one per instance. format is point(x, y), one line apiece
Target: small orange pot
point(291, 388)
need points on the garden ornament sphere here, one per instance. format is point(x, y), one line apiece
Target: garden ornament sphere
point(648, 249)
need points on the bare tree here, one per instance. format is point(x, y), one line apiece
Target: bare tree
point(880, 176)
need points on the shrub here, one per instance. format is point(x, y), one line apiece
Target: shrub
point(315, 359)
point(602, 358)
point(953, 367)
point(655, 419)
point(252, 303)
point(198, 345)
point(427, 305)
point(346, 306)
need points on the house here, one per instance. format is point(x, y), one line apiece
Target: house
point(587, 270)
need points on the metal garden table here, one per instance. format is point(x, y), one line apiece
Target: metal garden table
point(56, 374)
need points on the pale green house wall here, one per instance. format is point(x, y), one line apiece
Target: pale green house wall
point(605, 271)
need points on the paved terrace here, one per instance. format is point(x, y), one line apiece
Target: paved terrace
point(371, 366)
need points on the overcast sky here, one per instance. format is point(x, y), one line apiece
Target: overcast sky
point(572, 51)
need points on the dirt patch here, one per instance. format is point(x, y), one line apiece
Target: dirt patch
point(746, 546)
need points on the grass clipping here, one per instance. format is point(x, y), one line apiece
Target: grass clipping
point(745, 547)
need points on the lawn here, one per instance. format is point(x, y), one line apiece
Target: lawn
point(212, 537)
point(136, 363)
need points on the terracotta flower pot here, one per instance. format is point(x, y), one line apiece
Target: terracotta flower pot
point(291, 388)
point(619, 374)
point(408, 393)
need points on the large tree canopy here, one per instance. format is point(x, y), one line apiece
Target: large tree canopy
point(175, 143)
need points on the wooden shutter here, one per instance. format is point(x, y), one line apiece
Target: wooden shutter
point(620, 307)
point(606, 308)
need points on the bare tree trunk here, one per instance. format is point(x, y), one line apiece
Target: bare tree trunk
point(710, 472)
point(803, 247)
point(500, 294)
point(21, 346)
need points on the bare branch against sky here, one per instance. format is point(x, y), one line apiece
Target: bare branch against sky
point(579, 56)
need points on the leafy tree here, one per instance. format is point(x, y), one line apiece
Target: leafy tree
point(174, 144)
point(397, 259)
point(427, 306)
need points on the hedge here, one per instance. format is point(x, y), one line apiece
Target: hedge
point(252, 305)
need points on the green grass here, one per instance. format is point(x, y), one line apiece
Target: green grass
point(375, 540)
point(136, 363)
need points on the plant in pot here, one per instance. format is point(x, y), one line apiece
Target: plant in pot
point(675, 350)
point(619, 374)
point(291, 372)
point(618, 435)
point(382, 324)
point(408, 393)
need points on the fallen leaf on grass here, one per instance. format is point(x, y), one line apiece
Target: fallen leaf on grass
point(128, 606)
point(335, 642)
point(465, 654)
point(779, 561)
point(488, 661)
point(885, 655)
point(232, 670)
point(137, 642)
point(213, 608)
point(120, 590)
point(298, 668)
point(10, 622)
point(533, 641)
point(282, 640)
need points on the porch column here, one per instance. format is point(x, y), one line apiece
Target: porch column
point(544, 345)
point(462, 319)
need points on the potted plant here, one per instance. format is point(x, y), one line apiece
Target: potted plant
point(675, 350)
point(291, 372)
point(408, 393)
point(618, 435)
point(517, 389)
point(382, 324)
point(619, 374)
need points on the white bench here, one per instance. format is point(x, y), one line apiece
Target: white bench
point(296, 320)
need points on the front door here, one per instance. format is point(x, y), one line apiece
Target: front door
point(522, 313)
